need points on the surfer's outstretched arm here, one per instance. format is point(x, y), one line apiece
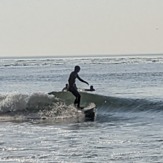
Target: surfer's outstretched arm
point(82, 80)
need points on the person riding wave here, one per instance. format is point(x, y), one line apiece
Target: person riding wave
point(72, 86)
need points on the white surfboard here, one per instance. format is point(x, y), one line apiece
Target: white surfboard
point(89, 107)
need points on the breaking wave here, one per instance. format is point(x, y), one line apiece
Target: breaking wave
point(57, 106)
point(37, 106)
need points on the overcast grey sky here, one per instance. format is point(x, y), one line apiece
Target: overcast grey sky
point(80, 27)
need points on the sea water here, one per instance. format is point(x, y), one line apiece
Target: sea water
point(129, 113)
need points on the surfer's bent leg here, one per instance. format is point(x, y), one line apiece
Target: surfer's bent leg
point(77, 95)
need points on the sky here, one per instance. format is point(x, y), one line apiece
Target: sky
point(80, 27)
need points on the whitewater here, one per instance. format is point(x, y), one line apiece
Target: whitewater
point(36, 127)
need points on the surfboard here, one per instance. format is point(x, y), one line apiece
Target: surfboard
point(89, 112)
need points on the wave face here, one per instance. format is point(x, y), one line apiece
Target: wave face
point(58, 106)
point(110, 104)
point(110, 109)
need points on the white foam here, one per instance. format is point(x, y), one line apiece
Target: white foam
point(13, 102)
point(37, 106)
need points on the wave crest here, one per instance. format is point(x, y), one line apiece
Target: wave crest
point(36, 106)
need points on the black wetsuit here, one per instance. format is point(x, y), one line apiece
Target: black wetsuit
point(72, 87)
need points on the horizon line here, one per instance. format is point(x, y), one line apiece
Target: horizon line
point(83, 55)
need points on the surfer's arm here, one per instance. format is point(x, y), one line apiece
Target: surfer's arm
point(82, 80)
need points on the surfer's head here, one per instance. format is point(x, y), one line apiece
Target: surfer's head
point(77, 69)
point(91, 88)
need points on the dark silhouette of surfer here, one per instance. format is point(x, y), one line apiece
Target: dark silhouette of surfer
point(72, 86)
point(91, 89)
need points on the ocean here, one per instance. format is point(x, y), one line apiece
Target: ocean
point(39, 128)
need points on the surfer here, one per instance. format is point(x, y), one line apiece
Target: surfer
point(91, 89)
point(65, 88)
point(72, 85)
